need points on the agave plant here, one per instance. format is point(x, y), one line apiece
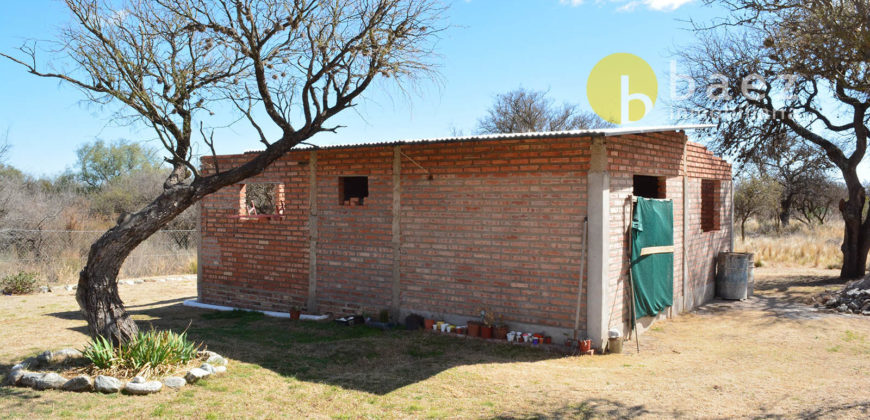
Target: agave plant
point(154, 350)
point(100, 352)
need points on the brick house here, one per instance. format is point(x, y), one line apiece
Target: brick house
point(445, 227)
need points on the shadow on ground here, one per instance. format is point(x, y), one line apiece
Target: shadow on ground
point(24, 397)
point(596, 408)
point(359, 357)
point(593, 408)
point(784, 297)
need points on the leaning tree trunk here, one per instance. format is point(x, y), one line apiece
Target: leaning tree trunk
point(856, 235)
point(97, 292)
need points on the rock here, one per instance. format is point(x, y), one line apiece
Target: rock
point(14, 376)
point(50, 381)
point(208, 368)
point(70, 287)
point(128, 282)
point(220, 369)
point(44, 289)
point(81, 383)
point(843, 308)
point(216, 360)
point(29, 379)
point(174, 382)
point(26, 364)
point(137, 380)
point(196, 374)
point(44, 358)
point(54, 357)
point(144, 388)
point(64, 355)
point(107, 384)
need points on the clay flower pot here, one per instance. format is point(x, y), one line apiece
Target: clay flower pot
point(295, 314)
point(585, 345)
point(473, 329)
point(428, 323)
point(500, 332)
point(486, 331)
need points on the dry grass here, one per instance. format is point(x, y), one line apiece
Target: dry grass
point(798, 246)
point(750, 360)
point(58, 257)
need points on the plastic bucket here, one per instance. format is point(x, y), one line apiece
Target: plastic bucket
point(614, 345)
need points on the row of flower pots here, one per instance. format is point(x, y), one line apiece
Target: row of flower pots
point(482, 330)
point(501, 332)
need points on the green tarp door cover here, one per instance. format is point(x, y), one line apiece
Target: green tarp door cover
point(652, 256)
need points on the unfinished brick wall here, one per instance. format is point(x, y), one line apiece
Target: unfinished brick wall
point(703, 246)
point(652, 154)
point(257, 263)
point(477, 224)
point(662, 155)
point(498, 226)
point(354, 251)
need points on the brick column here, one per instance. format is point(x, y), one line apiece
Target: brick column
point(598, 211)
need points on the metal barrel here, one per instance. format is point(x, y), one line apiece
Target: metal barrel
point(734, 278)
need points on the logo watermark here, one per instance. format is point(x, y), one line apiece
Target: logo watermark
point(623, 88)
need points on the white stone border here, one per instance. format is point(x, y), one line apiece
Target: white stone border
point(193, 303)
point(22, 377)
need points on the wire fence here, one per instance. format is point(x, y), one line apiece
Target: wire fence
point(57, 256)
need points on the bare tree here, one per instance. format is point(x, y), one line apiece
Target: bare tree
point(796, 68)
point(754, 196)
point(796, 166)
point(4, 147)
point(525, 111)
point(171, 63)
point(813, 203)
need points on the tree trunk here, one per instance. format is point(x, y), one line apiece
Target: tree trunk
point(743, 229)
point(785, 210)
point(97, 292)
point(856, 240)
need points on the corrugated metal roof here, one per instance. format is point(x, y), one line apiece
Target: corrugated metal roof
point(602, 132)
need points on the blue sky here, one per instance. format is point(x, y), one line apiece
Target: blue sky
point(493, 46)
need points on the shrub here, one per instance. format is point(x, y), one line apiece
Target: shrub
point(19, 284)
point(100, 352)
point(154, 351)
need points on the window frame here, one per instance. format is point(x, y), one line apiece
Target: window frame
point(710, 208)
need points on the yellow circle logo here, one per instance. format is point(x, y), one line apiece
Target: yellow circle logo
point(622, 88)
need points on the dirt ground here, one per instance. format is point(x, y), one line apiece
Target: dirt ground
point(771, 356)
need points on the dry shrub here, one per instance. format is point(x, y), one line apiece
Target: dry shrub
point(798, 245)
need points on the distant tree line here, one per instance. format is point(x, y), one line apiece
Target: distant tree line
point(786, 179)
point(47, 223)
point(108, 180)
